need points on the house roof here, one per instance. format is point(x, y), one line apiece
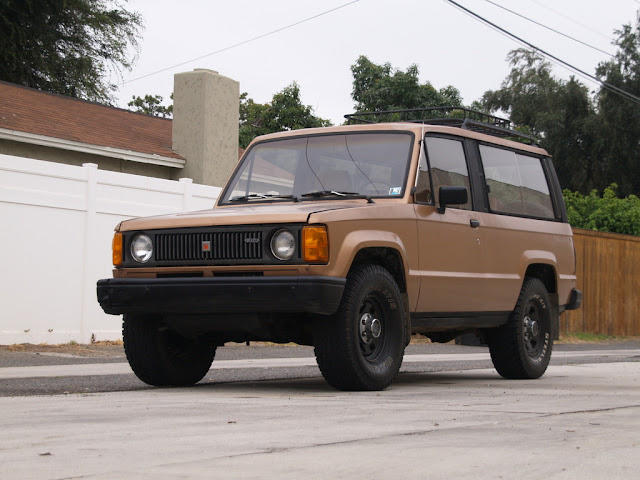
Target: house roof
point(30, 114)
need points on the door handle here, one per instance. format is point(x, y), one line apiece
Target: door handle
point(474, 223)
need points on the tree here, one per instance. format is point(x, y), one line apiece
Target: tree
point(151, 105)
point(620, 117)
point(595, 142)
point(560, 113)
point(378, 88)
point(66, 46)
point(284, 112)
point(606, 213)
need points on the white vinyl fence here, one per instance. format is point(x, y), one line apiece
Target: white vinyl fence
point(56, 226)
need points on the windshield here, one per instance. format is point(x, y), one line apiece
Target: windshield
point(371, 164)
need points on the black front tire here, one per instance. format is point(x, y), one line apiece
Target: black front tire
point(361, 346)
point(161, 357)
point(521, 349)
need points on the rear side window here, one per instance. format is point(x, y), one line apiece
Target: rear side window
point(516, 183)
point(448, 167)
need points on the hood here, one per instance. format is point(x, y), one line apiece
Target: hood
point(239, 215)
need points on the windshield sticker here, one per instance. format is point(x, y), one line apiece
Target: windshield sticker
point(395, 190)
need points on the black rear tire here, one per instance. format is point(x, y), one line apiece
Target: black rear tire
point(521, 349)
point(161, 357)
point(361, 346)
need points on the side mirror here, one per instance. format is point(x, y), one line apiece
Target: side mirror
point(452, 196)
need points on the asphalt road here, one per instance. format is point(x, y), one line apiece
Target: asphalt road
point(265, 412)
point(19, 375)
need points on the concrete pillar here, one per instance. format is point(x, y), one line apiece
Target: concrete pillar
point(205, 125)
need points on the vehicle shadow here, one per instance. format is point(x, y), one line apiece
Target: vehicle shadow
point(317, 385)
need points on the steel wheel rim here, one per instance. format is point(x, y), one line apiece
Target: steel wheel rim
point(533, 331)
point(372, 327)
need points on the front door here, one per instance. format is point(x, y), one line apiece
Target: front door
point(450, 244)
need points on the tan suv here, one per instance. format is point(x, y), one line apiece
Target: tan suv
point(351, 239)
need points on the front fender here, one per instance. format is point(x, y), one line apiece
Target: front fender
point(353, 242)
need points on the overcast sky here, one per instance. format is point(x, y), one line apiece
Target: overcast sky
point(449, 47)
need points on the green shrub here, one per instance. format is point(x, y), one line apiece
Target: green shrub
point(606, 213)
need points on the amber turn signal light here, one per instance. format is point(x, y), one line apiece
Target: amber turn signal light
point(116, 248)
point(315, 244)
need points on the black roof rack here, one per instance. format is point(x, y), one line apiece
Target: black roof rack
point(448, 116)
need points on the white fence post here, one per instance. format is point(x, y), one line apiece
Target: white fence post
point(88, 289)
point(187, 193)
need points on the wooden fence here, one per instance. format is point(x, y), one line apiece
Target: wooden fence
point(608, 270)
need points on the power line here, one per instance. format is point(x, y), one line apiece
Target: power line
point(572, 20)
point(605, 85)
point(243, 42)
point(548, 28)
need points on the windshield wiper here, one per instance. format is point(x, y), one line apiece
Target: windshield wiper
point(261, 196)
point(333, 193)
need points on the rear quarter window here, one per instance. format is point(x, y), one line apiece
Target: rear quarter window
point(516, 183)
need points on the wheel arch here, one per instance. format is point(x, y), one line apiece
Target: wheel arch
point(545, 273)
point(386, 257)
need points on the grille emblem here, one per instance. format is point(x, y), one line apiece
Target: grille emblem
point(206, 246)
point(251, 240)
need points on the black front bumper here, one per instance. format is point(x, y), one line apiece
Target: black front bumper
point(221, 295)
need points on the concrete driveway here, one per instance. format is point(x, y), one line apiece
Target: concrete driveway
point(579, 421)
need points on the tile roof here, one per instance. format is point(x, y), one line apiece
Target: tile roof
point(51, 115)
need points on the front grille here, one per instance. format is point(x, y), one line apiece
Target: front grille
point(208, 246)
